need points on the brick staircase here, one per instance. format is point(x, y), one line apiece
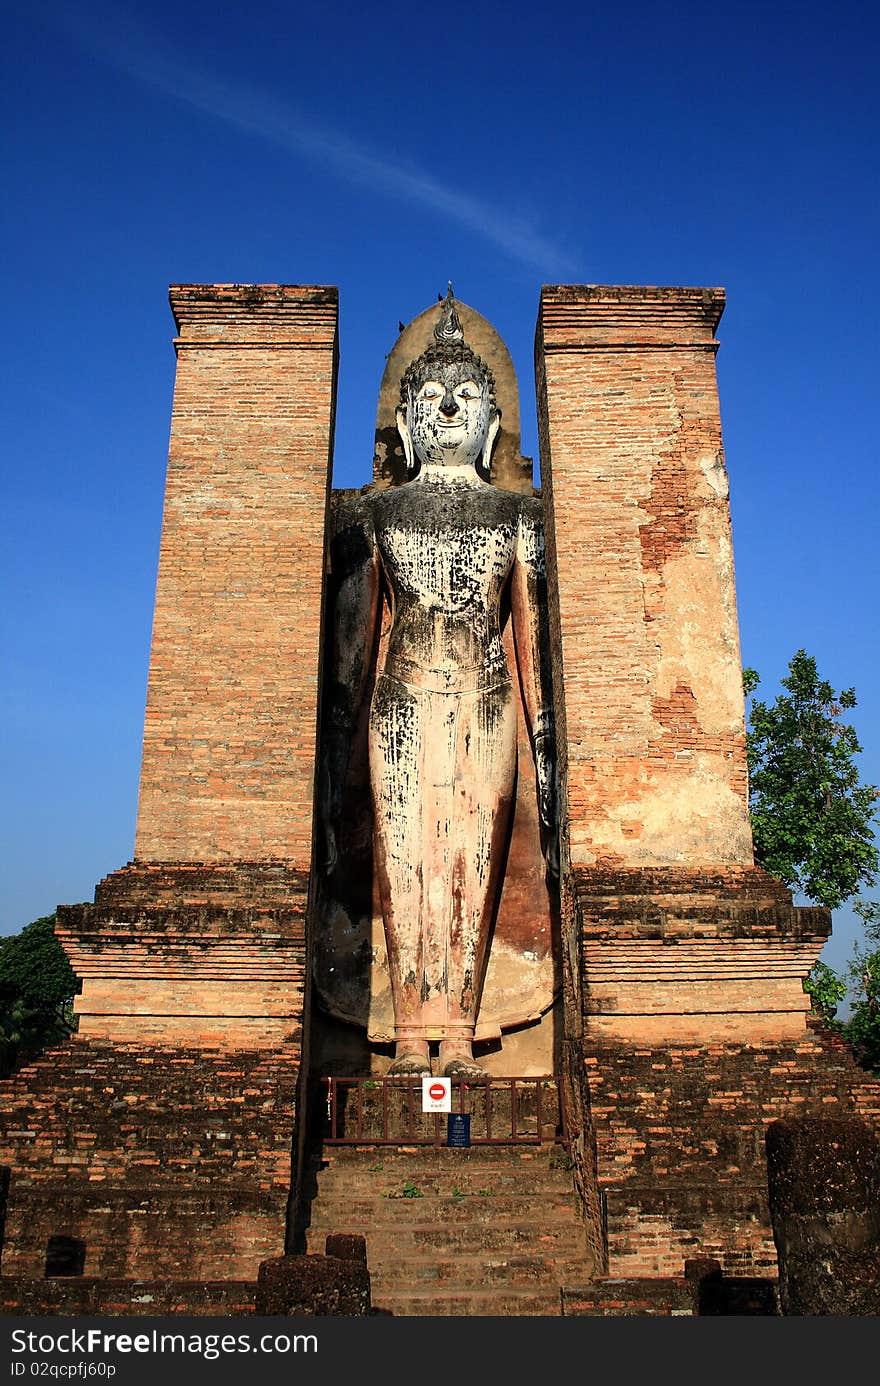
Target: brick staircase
point(489, 1231)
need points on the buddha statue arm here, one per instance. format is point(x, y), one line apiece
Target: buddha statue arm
point(353, 603)
point(528, 610)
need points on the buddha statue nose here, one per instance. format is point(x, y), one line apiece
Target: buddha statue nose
point(449, 405)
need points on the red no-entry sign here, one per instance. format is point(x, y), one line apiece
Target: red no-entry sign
point(436, 1094)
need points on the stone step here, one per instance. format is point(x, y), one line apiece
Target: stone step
point(485, 1230)
point(239, 1196)
point(612, 1297)
point(91, 1296)
point(408, 1192)
point(360, 1214)
point(415, 1188)
point(564, 1240)
point(438, 1303)
point(476, 1273)
point(531, 1153)
point(464, 1175)
point(748, 1195)
point(468, 1170)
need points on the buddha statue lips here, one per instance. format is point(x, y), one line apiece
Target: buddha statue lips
point(444, 550)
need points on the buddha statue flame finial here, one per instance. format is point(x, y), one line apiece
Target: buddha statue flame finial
point(448, 327)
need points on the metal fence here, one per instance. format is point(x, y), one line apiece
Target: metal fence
point(388, 1111)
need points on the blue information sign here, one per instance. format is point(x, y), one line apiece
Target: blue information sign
point(458, 1129)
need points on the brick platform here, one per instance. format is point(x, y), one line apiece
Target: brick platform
point(169, 1164)
point(672, 955)
point(162, 1136)
point(680, 1143)
point(189, 953)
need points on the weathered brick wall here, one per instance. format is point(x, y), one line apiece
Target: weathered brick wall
point(691, 998)
point(618, 1298)
point(229, 739)
point(632, 466)
point(680, 1135)
point(170, 1164)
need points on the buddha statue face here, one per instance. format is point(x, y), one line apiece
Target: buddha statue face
point(448, 419)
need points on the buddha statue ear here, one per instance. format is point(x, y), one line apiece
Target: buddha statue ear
point(406, 439)
point(491, 435)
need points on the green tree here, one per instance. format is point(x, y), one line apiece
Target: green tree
point(863, 1027)
point(826, 989)
point(37, 987)
point(811, 816)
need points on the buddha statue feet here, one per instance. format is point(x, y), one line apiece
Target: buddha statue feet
point(410, 1065)
point(460, 1066)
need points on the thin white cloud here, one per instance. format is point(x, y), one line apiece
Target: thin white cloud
point(118, 38)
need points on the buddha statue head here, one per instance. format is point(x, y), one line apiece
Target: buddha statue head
point(447, 414)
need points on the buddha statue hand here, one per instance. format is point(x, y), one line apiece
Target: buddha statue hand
point(332, 775)
point(327, 862)
point(545, 774)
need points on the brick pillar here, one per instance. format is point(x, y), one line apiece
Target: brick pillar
point(201, 940)
point(181, 1088)
point(681, 936)
point(229, 741)
point(632, 456)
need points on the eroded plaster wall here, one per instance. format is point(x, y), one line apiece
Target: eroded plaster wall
point(648, 646)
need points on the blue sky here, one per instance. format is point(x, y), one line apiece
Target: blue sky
point(385, 150)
